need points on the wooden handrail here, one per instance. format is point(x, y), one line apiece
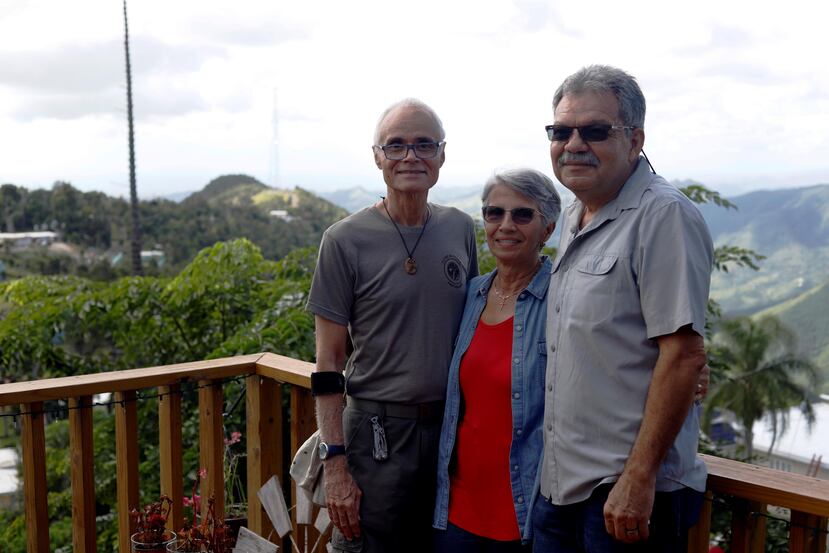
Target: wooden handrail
point(767, 485)
point(133, 379)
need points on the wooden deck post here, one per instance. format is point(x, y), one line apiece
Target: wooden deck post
point(126, 463)
point(170, 452)
point(83, 475)
point(748, 529)
point(699, 536)
point(263, 406)
point(805, 534)
point(33, 440)
point(211, 445)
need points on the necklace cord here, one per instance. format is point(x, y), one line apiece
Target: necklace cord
point(400, 234)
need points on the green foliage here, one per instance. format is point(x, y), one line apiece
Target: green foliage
point(699, 194)
point(727, 255)
point(756, 373)
point(229, 301)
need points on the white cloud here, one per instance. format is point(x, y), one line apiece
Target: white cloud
point(736, 90)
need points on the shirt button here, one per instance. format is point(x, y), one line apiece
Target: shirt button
point(549, 387)
point(515, 467)
point(519, 432)
point(552, 349)
point(516, 360)
point(518, 328)
point(550, 427)
point(516, 395)
point(522, 295)
point(558, 308)
point(521, 499)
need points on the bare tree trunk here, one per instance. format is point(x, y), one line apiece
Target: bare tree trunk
point(135, 238)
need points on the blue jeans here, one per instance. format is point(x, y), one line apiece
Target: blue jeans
point(579, 528)
point(457, 540)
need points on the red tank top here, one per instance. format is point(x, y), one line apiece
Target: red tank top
point(480, 494)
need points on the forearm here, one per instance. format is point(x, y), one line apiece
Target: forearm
point(330, 418)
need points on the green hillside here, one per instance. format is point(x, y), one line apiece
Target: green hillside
point(790, 227)
point(808, 316)
point(95, 226)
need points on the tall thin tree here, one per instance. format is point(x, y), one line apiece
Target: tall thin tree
point(135, 237)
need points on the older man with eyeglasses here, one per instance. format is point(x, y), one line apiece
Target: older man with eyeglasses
point(391, 280)
point(626, 316)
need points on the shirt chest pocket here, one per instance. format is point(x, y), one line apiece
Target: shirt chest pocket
point(595, 287)
point(596, 265)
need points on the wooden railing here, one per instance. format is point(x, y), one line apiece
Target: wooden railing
point(265, 455)
point(750, 489)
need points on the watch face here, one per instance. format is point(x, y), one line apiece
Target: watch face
point(323, 450)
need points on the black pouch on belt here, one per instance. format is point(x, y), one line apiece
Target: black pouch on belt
point(381, 450)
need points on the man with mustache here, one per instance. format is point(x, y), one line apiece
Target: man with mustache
point(626, 316)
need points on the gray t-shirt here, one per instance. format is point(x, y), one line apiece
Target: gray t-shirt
point(403, 326)
point(639, 270)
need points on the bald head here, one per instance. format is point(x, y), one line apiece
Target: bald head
point(410, 103)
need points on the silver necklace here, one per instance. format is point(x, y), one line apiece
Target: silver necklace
point(504, 297)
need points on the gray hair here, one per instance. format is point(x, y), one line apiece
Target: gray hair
point(409, 102)
point(533, 184)
point(604, 78)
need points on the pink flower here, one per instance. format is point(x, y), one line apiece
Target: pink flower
point(235, 438)
point(203, 473)
point(186, 501)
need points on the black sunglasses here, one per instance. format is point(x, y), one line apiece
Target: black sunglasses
point(596, 132)
point(520, 215)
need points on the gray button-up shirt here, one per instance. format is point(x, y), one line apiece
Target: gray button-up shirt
point(639, 270)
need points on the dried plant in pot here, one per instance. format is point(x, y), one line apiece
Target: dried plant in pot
point(151, 535)
point(208, 534)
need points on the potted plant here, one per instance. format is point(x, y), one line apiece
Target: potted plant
point(150, 532)
point(208, 535)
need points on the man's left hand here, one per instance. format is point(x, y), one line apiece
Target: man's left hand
point(628, 508)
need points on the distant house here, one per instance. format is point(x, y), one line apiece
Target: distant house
point(23, 240)
point(798, 450)
point(281, 214)
point(157, 256)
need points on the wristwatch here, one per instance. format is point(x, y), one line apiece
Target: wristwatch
point(326, 451)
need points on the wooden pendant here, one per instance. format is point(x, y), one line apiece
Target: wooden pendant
point(410, 266)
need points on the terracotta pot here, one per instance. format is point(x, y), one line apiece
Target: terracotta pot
point(159, 547)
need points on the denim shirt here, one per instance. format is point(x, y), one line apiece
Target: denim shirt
point(529, 363)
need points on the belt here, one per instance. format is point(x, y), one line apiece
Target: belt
point(424, 412)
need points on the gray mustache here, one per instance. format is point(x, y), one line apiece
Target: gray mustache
point(578, 157)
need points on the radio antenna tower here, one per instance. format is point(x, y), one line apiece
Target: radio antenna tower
point(274, 168)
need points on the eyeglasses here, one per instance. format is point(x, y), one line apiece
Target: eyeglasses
point(520, 215)
point(422, 150)
point(596, 132)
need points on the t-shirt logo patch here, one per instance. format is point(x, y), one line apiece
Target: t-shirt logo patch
point(453, 270)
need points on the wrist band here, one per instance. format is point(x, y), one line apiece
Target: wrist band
point(327, 382)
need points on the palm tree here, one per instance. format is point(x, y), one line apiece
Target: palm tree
point(756, 373)
point(135, 239)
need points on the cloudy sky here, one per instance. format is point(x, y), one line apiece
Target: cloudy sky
point(738, 92)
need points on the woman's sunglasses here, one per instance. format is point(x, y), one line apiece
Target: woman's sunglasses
point(520, 215)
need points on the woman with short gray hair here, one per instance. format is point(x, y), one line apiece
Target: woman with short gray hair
point(491, 434)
